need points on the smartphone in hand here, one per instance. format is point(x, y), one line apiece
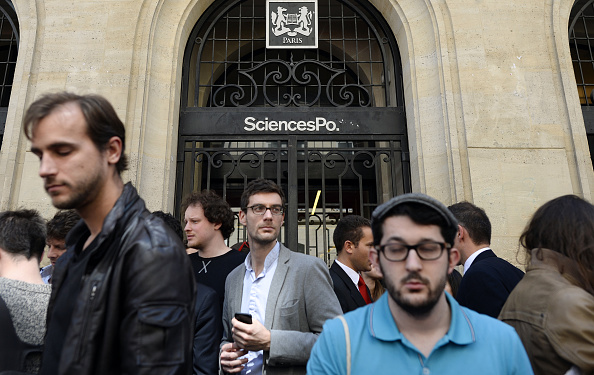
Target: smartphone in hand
point(244, 317)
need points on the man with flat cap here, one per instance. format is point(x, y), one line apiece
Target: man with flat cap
point(416, 328)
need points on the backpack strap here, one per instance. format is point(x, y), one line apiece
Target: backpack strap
point(13, 351)
point(347, 337)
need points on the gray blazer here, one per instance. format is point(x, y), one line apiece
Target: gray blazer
point(300, 300)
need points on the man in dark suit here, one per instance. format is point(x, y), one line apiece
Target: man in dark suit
point(488, 280)
point(353, 240)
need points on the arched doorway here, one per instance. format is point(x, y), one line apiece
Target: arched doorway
point(326, 123)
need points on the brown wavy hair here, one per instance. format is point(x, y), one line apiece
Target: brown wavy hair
point(216, 210)
point(102, 119)
point(62, 222)
point(564, 225)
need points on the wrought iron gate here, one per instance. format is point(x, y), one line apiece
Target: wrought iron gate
point(327, 124)
point(352, 176)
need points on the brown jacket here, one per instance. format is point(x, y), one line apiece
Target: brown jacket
point(553, 315)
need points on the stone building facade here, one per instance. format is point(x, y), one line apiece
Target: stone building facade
point(487, 89)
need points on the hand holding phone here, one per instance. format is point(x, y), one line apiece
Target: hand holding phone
point(244, 317)
point(252, 337)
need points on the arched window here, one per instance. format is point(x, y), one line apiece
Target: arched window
point(228, 65)
point(581, 43)
point(326, 123)
point(9, 47)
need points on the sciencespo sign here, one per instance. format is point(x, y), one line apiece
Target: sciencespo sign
point(292, 121)
point(320, 124)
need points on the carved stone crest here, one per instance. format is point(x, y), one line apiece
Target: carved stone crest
point(291, 24)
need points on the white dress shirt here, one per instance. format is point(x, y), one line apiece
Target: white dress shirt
point(354, 275)
point(471, 258)
point(254, 299)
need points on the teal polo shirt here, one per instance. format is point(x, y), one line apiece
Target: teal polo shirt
point(474, 344)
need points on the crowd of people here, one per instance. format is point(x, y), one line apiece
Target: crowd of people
point(129, 291)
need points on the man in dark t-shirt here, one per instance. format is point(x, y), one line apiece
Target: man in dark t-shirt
point(208, 222)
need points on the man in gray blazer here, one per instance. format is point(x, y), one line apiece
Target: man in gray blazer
point(288, 295)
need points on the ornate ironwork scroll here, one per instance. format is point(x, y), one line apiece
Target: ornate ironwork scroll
point(353, 177)
point(301, 84)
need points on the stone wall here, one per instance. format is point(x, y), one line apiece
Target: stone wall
point(492, 108)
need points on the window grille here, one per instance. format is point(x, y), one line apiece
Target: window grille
point(581, 41)
point(229, 66)
point(9, 46)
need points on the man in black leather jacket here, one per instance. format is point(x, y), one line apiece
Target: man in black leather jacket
point(123, 294)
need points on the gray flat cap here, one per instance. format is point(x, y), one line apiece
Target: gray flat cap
point(381, 211)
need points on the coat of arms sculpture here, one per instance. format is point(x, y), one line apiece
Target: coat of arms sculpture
point(291, 24)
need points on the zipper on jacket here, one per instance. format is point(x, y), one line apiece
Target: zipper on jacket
point(93, 290)
point(86, 320)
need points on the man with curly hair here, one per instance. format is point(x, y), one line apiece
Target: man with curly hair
point(208, 223)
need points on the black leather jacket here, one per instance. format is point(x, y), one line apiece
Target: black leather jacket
point(134, 313)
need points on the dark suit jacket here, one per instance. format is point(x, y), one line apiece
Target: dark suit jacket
point(208, 331)
point(487, 283)
point(348, 294)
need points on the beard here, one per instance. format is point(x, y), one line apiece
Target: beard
point(414, 308)
point(263, 241)
point(194, 244)
point(82, 192)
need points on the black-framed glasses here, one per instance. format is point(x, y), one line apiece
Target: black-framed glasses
point(260, 209)
point(398, 252)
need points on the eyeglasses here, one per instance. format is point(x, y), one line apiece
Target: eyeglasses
point(398, 252)
point(260, 209)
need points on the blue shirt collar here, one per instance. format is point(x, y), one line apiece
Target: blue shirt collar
point(383, 327)
point(270, 259)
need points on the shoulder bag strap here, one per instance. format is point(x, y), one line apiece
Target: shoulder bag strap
point(347, 337)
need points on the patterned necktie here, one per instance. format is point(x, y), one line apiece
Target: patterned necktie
point(363, 290)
